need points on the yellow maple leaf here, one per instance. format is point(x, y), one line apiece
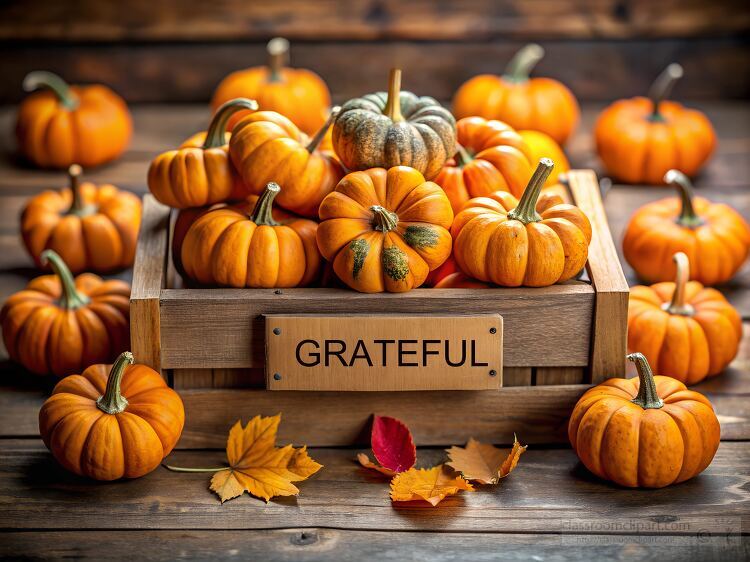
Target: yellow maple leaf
point(429, 484)
point(257, 466)
point(365, 461)
point(484, 463)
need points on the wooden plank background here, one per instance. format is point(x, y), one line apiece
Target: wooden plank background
point(178, 50)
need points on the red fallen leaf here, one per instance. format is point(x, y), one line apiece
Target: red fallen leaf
point(392, 444)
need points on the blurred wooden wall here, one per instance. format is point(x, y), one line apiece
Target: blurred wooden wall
point(178, 50)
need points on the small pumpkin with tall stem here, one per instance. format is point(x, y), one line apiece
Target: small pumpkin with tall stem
point(690, 332)
point(60, 325)
point(640, 139)
point(112, 422)
point(93, 228)
point(536, 241)
point(385, 230)
point(266, 146)
point(714, 236)
point(490, 156)
point(232, 248)
point(200, 172)
point(59, 124)
point(394, 128)
point(645, 432)
point(297, 93)
point(541, 104)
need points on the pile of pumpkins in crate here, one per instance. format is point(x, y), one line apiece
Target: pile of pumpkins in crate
point(388, 192)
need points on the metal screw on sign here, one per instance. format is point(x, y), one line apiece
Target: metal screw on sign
point(276, 377)
point(493, 372)
point(493, 330)
point(277, 331)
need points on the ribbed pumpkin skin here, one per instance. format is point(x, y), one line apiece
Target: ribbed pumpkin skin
point(52, 136)
point(365, 137)
point(89, 442)
point(226, 247)
point(299, 94)
point(46, 338)
point(103, 241)
point(499, 160)
point(687, 348)
point(635, 149)
point(490, 247)
point(266, 146)
point(541, 104)
point(716, 249)
point(398, 258)
point(648, 448)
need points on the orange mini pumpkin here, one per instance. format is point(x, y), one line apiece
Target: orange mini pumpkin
point(384, 230)
point(266, 146)
point(541, 104)
point(200, 172)
point(297, 93)
point(59, 325)
point(230, 247)
point(110, 426)
point(686, 331)
point(60, 125)
point(714, 236)
point(646, 432)
point(640, 139)
point(536, 242)
point(93, 228)
point(491, 156)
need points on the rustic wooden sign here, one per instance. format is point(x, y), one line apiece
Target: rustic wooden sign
point(381, 352)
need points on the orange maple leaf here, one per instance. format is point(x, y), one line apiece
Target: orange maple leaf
point(484, 463)
point(429, 484)
point(257, 466)
point(365, 461)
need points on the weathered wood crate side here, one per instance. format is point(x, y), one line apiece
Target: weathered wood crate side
point(214, 338)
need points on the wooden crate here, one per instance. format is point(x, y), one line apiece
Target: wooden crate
point(573, 333)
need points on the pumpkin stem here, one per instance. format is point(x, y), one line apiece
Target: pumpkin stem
point(112, 401)
point(523, 62)
point(688, 217)
point(78, 207)
point(393, 105)
point(43, 79)
point(678, 304)
point(383, 220)
point(647, 396)
point(263, 211)
point(312, 146)
point(526, 209)
point(70, 298)
point(278, 56)
point(662, 87)
point(215, 136)
point(188, 469)
point(462, 156)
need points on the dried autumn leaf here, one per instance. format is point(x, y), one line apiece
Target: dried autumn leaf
point(392, 444)
point(429, 484)
point(257, 466)
point(484, 463)
point(365, 461)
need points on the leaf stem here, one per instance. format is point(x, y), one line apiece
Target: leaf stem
point(189, 469)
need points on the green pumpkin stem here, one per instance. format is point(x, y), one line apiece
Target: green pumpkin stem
point(526, 209)
point(71, 298)
point(215, 136)
point(678, 305)
point(462, 156)
point(523, 62)
point(43, 79)
point(263, 211)
point(383, 220)
point(312, 146)
point(278, 56)
point(647, 396)
point(662, 87)
point(688, 217)
point(78, 206)
point(112, 401)
point(393, 105)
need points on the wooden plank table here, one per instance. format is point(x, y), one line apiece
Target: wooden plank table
point(550, 508)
